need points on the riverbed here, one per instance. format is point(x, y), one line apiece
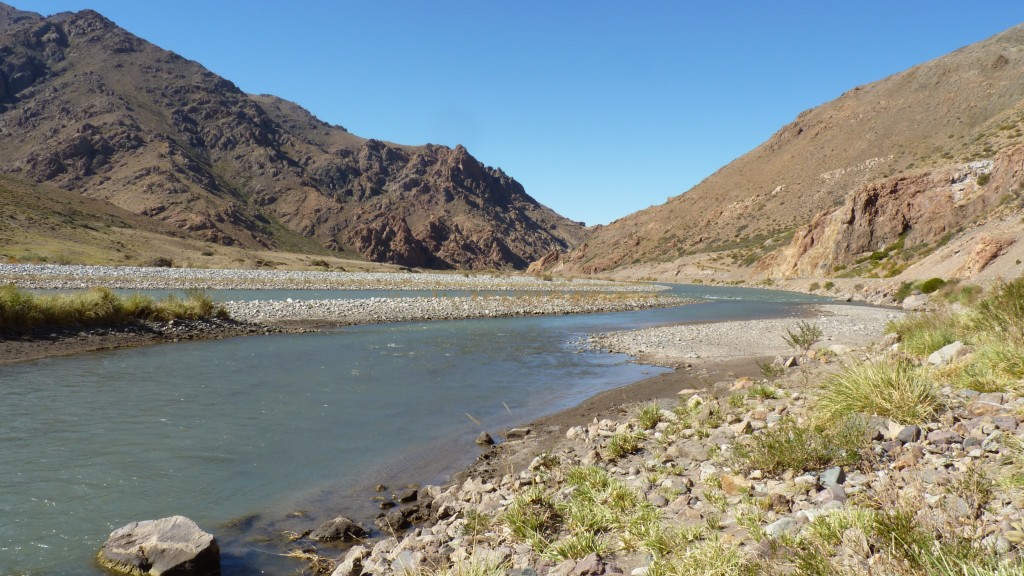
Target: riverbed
point(277, 432)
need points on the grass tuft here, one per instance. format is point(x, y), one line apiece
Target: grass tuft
point(891, 388)
point(99, 307)
point(800, 447)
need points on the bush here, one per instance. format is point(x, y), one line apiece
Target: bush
point(931, 285)
point(161, 262)
point(805, 336)
point(1002, 312)
point(892, 389)
point(984, 178)
point(829, 285)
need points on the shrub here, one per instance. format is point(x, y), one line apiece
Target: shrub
point(161, 262)
point(622, 444)
point(931, 285)
point(801, 447)
point(1003, 311)
point(829, 285)
point(892, 389)
point(814, 287)
point(984, 178)
point(805, 336)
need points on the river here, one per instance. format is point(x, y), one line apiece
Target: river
point(251, 436)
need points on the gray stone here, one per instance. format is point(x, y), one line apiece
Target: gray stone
point(947, 354)
point(517, 433)
point(832, 477)
point(915, 302)
point(392, 521)
point(909, 434)
point(781, 526)
point(352, 563)
point(1008, 423)
point(340, 528)
point(484, 439)
point(173, 546)
point(408, 495)
point(992, 397)
point(589, 566)
point(521, 572)
point(657, 499)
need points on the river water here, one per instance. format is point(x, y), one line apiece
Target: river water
point(252, 436)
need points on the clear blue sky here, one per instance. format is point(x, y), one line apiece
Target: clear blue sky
point(598, 108)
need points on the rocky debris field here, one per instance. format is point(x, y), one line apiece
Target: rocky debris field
point(732, 479)
point(59, 276)
point(379, 310)
point(841, 325)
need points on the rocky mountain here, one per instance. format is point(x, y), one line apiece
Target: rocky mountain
point(865, 184)
point(88, 107)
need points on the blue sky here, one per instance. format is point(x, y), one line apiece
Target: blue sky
point(598, 108)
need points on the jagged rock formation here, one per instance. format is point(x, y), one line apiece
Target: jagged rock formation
point(88, 107)
point(887, 155)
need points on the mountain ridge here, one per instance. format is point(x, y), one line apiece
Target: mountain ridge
point(87, 106)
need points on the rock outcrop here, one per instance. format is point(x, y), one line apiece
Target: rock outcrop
point(173, 546)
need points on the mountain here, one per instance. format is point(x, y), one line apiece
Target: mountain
point(866, 184)
point(90, 108)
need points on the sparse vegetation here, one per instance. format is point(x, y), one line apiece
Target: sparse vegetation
point(99, 307)
point(806, 335)
point(803, 446)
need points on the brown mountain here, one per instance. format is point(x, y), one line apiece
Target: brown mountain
point(895, 167)
point(88, 107)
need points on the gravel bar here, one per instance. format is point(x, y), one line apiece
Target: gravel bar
point(380, 310)
point(673, 345)
point(59, 276)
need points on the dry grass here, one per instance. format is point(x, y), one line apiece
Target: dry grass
point(99, 307)
point(890, 388)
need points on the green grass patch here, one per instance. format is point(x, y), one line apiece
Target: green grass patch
point(801, 447)
point(99, 307)
point(892, 388)
point(925, 332)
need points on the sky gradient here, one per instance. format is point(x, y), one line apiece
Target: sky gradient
point(598, 108)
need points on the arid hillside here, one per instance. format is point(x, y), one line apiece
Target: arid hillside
point(898, 167)
point(88, 107)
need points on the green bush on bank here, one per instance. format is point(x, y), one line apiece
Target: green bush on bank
point(20, 309)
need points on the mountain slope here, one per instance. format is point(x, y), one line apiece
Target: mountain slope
point(88, 107)
point(929, 122)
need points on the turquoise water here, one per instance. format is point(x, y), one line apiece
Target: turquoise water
point(256, 428)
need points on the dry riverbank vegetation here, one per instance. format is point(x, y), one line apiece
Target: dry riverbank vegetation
point(21, 310)
point(901, 458)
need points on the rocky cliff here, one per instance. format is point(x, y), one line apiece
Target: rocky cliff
point(88, 107)
point(898, 158)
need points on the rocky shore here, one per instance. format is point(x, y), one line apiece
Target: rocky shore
point(57, 276)
point(737, 475)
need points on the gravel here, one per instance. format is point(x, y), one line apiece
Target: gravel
point(59, 276)
point(672, 345)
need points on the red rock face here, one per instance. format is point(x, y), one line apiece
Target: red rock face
point(921, 208)
point(91, 108)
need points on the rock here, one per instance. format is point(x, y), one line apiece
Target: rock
point(909, 434)
point(484, 439)
point(992, 397)
point(840, 349)
point(589, 566)
point(407, 495)
point(657, 499)
point(340, 528)
point(947, 354)
point(941, 437)
point(517, 433)
point(832, 477)
point(173, 546)
point(352, 563)
point(392, 522)
point(915, 302)
point(734, 485)
point(784, 525)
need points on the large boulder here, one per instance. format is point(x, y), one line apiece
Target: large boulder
point(173, 546)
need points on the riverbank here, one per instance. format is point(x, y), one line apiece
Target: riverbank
point(717, 472)
point(293, 316)
point(68, 277)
